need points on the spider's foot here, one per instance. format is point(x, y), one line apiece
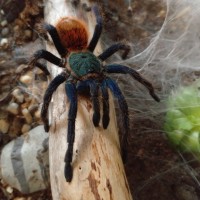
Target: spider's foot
point(127, 49)
point(106, 120)
point(68, 172)
point(96, 119)
point(46, 127)
point(156, 98)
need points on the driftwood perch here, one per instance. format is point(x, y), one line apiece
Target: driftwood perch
point(98, 171)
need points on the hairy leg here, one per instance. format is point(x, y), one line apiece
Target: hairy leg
point(47, 98)
point(112, 85)
point(97, 30)
point(56, 39)
point(116, 68)
point(94, 89)
point(113, 49)
point(47, 56)
point(71, 92)
point(106, 117)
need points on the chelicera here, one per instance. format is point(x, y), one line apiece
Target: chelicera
point(83, 70)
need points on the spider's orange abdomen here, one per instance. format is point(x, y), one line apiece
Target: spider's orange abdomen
point(73, 33)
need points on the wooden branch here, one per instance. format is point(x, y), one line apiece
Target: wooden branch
point(98, 171)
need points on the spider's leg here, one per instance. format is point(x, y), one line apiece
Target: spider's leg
point(48, 95)
point(112, 85)
point(72, 96)
point(37, 64)
point(113, 49)
point(94, 89)
point(43, 68)
point(97, 30)
point(106, 118)
point(47, 56)
point(56, 39)
point(116, 68)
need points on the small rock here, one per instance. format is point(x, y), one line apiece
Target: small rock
point(25, 128)
point(28, 33)
point(4, 23)
point(19, 22)
point(16, 28)
point(26, 79)
point(27, 115)
point(5, 31)
point(19, 198)
point(37, 114)
point(13, 108)
point(9, 189)
point(18, 95)
point(4, 41)
point(4, 126)
point(2, 12)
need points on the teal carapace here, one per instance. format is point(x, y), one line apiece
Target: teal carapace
point(83, 63)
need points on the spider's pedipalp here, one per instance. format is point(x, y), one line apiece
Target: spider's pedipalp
point(112, 85)
point(113, 49)
point(71, 93)
point(116, 68)
point(106, 117)
point(47, 98)
point(56, 39)
point(97, 30)
point(47, 56)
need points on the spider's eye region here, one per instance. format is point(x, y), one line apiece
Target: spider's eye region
point(83, 63)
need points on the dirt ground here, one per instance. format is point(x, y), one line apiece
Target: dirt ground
point(155, 171)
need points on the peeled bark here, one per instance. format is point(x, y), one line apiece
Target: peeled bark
point(98, 171)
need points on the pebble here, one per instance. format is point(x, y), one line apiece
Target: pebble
point(19, 198)
point(5, 31)
point(25, 128)
point(37, 114)
point(4, 126)
point(4, 23)
point(13, 108)
point(18, 95)
point(27, 115)
point(16, 28)
point(9, 189)
point(26, 79)
point(2, 12)
point(4, 41)
point(28, 33)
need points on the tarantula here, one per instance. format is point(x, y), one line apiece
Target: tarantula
point(83, 70)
